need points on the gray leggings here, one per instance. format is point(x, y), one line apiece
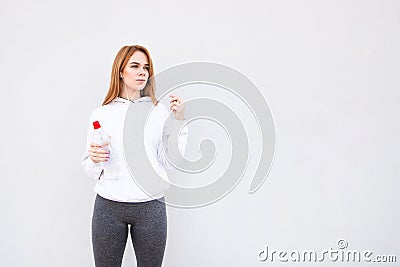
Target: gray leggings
point(148, 229)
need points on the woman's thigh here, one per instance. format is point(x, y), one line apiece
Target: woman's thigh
point(149, 233)
point(109, 234)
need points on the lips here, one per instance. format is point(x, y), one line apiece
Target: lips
point(140, 80)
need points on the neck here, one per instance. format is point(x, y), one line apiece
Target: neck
point(130, 94)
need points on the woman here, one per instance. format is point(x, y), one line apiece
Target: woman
point(119, 201)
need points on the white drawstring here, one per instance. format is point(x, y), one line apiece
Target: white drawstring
point(126, 91)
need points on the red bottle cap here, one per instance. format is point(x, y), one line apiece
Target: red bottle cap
point(96, 125)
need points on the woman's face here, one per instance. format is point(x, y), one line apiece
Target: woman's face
point(136, 72)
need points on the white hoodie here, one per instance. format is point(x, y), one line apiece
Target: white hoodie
point(111, 118)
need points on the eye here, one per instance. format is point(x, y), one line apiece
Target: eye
point(134, 66)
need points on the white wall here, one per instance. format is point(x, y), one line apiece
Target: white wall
point(329, 70)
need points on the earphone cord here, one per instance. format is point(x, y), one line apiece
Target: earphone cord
point(126, 91)
point(127, 95)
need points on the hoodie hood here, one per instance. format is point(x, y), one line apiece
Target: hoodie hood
point(124, 100)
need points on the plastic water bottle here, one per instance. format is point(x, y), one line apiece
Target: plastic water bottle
point(100, 138)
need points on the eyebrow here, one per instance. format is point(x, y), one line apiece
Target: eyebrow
point(134, 62)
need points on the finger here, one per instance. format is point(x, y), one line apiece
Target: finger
point(175, 98)
point(97, 150)
point(97, 160)
point(102, 151)
point(174, 106)
point(94, 145)
point(92, 149)
point(97, 145)
point(101, 157)
point(96, 154)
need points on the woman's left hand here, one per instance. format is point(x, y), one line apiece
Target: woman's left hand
point(177, 106)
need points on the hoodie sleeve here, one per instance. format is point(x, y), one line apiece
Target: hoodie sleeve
point(166, 142)
point(92, 170)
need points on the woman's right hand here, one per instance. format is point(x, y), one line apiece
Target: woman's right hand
point(98, 153)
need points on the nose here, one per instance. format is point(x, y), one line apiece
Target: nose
point(142, 72)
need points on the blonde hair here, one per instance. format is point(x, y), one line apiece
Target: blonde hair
point(120, 61)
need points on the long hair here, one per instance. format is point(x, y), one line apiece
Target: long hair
point(120, 61)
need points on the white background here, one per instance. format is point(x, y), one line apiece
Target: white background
point(328, 69)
